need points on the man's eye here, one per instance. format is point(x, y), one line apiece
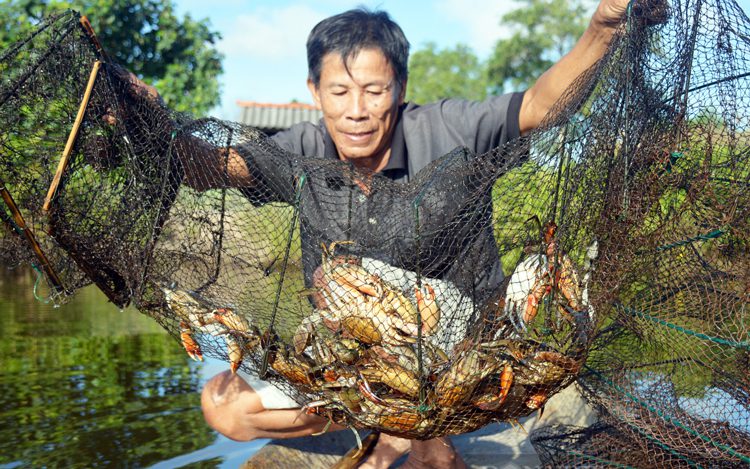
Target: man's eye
point(375, 92)
point(338, 92)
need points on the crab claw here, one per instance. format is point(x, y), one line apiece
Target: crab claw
point(191, 346)
point(538, 292)
point(493, 401)
point(428, 308)
point(304, 333)
point(358, 278)
point(233, 321)
point(396, 331)
point(532, 306)
point(235, 353)
point(364, 388)
point(537, 401)
point(506, 381)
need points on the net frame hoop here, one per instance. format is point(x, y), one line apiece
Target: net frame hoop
point(65, 159)
point(30, 238)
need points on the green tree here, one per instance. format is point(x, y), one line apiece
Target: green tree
point(449, 73)
point(177, 55)
point(544, 30)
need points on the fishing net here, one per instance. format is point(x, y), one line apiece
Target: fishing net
point(609, 246)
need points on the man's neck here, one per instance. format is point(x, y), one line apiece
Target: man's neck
point(373, 163)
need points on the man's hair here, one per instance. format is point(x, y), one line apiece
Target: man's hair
point(350, 32)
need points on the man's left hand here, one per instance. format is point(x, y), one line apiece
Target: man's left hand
point(610, 13)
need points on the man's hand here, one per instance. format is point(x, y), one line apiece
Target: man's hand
point(610, 13)
point(134, 87)
point(137, 87)
point(205, 166)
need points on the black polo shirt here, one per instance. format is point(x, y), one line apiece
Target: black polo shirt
point(423, 212)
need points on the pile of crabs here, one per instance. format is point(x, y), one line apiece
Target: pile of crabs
point(365, 357)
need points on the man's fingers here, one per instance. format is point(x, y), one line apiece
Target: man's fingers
point(109, 118)
point(650, 12)
point(137, 87)
point(121, 73)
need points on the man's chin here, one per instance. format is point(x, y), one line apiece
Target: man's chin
point(357, 155)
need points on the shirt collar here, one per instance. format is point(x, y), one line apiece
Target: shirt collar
point(397, 163)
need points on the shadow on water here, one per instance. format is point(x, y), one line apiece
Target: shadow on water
point(88, 385)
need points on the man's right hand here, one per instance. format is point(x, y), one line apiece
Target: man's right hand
point(137, 87)
point(205, 166)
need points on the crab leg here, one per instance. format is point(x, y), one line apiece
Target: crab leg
point(428, 308)
point(538, 291)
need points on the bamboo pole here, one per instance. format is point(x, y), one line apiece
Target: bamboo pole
point(71, 138)
point(89, 30)
point(30, 238)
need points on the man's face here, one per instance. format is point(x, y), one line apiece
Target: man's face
point(359, 105)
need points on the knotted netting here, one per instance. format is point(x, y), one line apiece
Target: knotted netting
point(609, 246)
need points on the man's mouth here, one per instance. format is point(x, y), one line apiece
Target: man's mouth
point(357, 136)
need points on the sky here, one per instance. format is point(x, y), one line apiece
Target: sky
point(263, 41)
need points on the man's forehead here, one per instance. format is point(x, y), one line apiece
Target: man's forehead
point(366, 58)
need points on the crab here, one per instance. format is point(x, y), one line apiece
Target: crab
point(392, 375)
point(456, 384)
point(363, 306)
point(538, 276)
point(192, 314)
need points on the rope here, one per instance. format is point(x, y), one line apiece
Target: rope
point(263, 371)
point(39, 277)
point(673, 157)
point(684, 330)
point(39, 274)
point(705, 237)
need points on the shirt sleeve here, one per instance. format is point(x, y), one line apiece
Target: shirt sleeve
point(274, 162)
point(435, 129)
point(272, 170)
point(305, 139)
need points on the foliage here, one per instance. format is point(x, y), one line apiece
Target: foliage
point(512, 223)
point(177, 55)
point(544, 30)
point(448, 73)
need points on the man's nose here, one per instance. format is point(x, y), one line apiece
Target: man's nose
point(357, 109)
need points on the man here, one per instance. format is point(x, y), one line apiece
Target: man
point(357, 76)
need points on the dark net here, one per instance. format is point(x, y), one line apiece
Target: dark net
point(609, 246)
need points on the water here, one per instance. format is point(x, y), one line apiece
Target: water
point(88, 385)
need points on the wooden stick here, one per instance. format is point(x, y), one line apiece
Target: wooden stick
point(71, 138)
point(18, 219)
point(92, 36)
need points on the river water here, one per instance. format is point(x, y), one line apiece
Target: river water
point(88, 385)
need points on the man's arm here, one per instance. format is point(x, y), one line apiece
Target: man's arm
point(539, 99)
point(206, 166)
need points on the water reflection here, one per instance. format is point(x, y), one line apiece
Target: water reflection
point(87, 385)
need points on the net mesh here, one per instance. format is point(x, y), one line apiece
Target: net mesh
point(609, 246)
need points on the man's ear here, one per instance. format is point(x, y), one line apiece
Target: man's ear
point(314, 91)
point(402, 93)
